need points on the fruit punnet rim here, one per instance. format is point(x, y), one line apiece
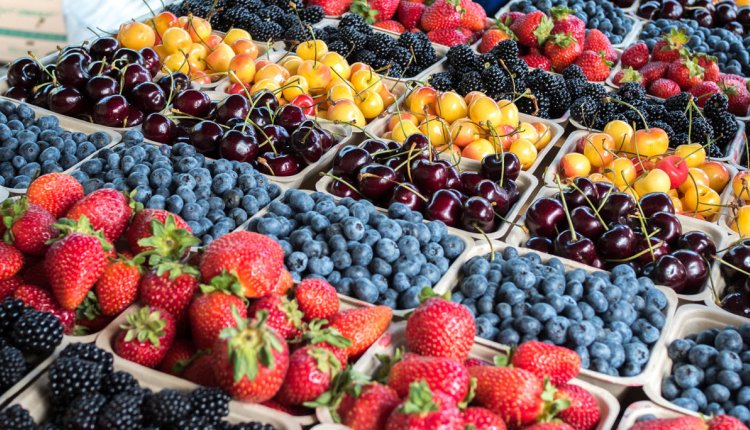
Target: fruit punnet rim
point(452, 271)
point(157, 378)
point(641, 408)
point(395, 337)
point(688, 319)
point(727, 197)
point(518, 236)
point(68, 124)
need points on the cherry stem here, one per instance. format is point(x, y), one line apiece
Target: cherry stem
point(573, 235)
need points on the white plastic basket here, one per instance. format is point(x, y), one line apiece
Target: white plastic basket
point(639, 409)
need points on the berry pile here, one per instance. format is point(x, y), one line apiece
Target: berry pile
point(709, 372)
point(606, 17)
point(31, 147)
point(610, 320)
point(84, 392)
point(374, 257)
point(502, 74)
point(706, 13)
point(26, 336)
point(730, 50)
point(678, 116)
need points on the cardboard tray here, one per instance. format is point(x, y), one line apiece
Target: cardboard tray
point(639, 409)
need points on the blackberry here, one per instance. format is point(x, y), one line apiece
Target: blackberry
point(574, 71)
point(554, 89)
point(12, 367)
point(575, 87)
point(10, 311)
point(505, 50)
point(543, 103)
point(725, 128)
point(470, 81)
point(297, 33)
point(716, 105)
point(401, 56)
point(71, 377)
point(249, 20)
point(426, 56)
point(679, 102)
point(37, 332)
point(356, 22)
point(123, 412)
point(16, 418)
point(516, 67)
point(364, 56)
point(380, 64)
point(266, 31)
point(49, 426)
point(254, 425)
point(678, 121)
point(166, 407)
point(441, 81)
point(495, 81)
point(312, 14)
point(291, 6)
point(679, 139)
point(606, 113)
point(462, 58)
point(412, 70)
point(89, 352)
point(381, 44)
point(219, 23)
point(488, 60)
point(289, 20)
point(656, 112)
point(233, 16)
point(714, 151)
point(252, 5)
point(83, 411)
point(339, 46)
point(395, 70)
point(632, 117)
point(211, 403)
point(632, 91)
point(195, 423)
point(595, 91)
point(353, 38)
point(701, 131)
point(583, 110)
point(119, 382)
point(270, 13)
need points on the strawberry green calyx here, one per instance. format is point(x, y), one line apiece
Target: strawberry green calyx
point(603, 55)
point(505, 28)
point(168, 242)
point(552, 406)
point(348, 381)
point(561, 12)
point(135, 205)
point(694, 69)
point(470, 394)
point(317, 332)
point(175, 269)
point(543, 30)
point(325, 360)
point(89, 309)
point(386, 363)
point(83, 226)
point(145, 325)
point(563, 40)
point(181, 365)
point(429, 293)
point(291, 310)
point(675, 38)
point(11, 211)
point(629, 74)
point(224, 283)
point(250, 344)
point(419, 401)
point(363, 9)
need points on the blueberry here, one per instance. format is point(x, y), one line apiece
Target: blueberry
point(556, 328)
point(191, 211)
point(729, 360)
point(453, 246)
point(741, 412)
point(729, 379)
point(581, 333)
point(361, 254)
point(636, 352)
point(728, 339)
point(485, 328)
point(299, 201)
point(508, 336)
point(688, 376)
point(356, 272)
point(702, 355)
point(543, 312)
point(574, 289)
point(678, 350)
point(433, 273)
point(714, 409)
point(249, 204)
point(686, 403)
point(473, 286)
point(669, 388)
point(409, 299)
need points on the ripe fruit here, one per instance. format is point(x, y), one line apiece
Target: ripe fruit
point(27, 226)
point(311, 371)
point(316, 299)
point(361, 326)
point(621, 172)
point(117, 288)
point(545, 360)
point(599, 149)
point(676, 168)
point(655, 181)
point(55, 192)
point(283, 314)
point(574, 164)
point(162, 230)
point(146, 336)
point(595, 65)
point(532, 29)
point(210, 313)
point(441, 374)
point(694, 154)
point(369, 408)
point(11, 261)
point(514, 394)
point(425, 409)
point(718, 175)
point(583, 412)
point(440, 328)
point(107, 209)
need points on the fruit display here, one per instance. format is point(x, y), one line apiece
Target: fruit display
point(734, 265)
point(31, 146)
point(606, 17)
point(377, 258)
point(724, 14)
point(730, 49)
point(735, 200)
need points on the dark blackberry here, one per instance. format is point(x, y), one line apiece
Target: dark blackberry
point(339, 46)
point(701, 131)
point(233, 16)
point(678, 121)
point(716, 105)
point(249, 20)
point(606, 113)
point(352, 20)
point(254, 425)
point(554, 89)
point(355, 39)
point(89, 352)
point(266, 31)
point(123, 412)
point(37, 332)
point(426, 56)
point(381, 44)
point(583, 110)
point(195, 423)
point(219, 23)
point(119, 382)
point(289, 20)
point(166, 407)
point(270, 13)
point(211, 403)
point(252, 5)
point(574, 71)
point(16, 418)
point(471, 81)
point(441, 81)
point(364, 56)
point(412, 70)
point(462, 58)
point(488, 60)
point(49, 426)
point(505, 50)
point(495, 81)
point(10, 311)
point(71, 377)
point(679, 102)
point(380, 64)
point(83, 411)
point(12, 367)
point(725, 129)
point(632, 91)
point(575, 87)
point(401, 55)
point(516, 67)
point(634, 118)
point(714, 151)
point(394, 70)
point(312, 15)
point(679, 139)
point(656, 112)
point(595, 91)
point(297, 33)
point(291, 6)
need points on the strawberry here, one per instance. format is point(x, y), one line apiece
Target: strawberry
point(33, 273)
point(545, 360)
point(117, 288)
point(668, 48)
point(681, 423)
point(107, 209)
point(75, 262)
point(538, 61)
point(627, 75)
point(494, 35)
point(146, 336)
point(447, 37)
point(28, 227)
point(362, 326)
point(284, 315)
point(442, 14)
point(42, 300)
point(311, 371)
point(596, 41)
point(725, 422)
point(686, 72)
point(664, 88)
point(210, 313)
point(250, 360)
point(731, 77)
point(738, 94)
point(55, 192)
point(508, 18)
point(475, 17)
point(390, 25)
point(316, 299)
point(482, 419)
point(710, 67)
point(635, 56)
point(442, 374)
point(164, 231)
point(201, 371)
point(562, 50)
point(533, 29)
point(332, 7)
point(285, 283)
point(11, 261)
point(369, 407)
point(473, 361)
point(374, 10)
point(409, 14)
point(251, 260)
point(9, 286)
point(88, 316)
point(583, 412)
point(171, 288)
point(553, 425)
point(425, 409)
point(653, 71)
point(567, 24)
point(178, 358)
point(703, 91)
point(595, 65)
point(440, 328)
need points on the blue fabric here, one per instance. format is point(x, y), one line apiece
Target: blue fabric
point(492, 6)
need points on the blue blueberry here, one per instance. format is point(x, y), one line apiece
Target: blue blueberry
point(686, 403)
point(729, 379)
point(669, 388)
point(702, 355)
point(409, 299)
point(688, 376)
point(636, 352)
point(728, 339)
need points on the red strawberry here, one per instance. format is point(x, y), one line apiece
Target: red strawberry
point(562, 50)
point(442, 14)
point(703, 91)
point(495, 35)
point(441, 374)
point(250, 360)
point(146, 336)
point(28, 227)
point(473, 361)
point(533, 29)
point(583, 412)
point(74, 263)
point(681, 423)
point(653, 71)
point(635, 56)
point(362, 326)
point(664, 88)
point(594, 65)
point(33, 273)
point(284, 315)
point(162, 230)
point(117, 288)
point(316, 299)
point(738, 94)
point(178, 358)
point(546, 360)
point(447, 37)
point(508, 18)
point(538, 61)
point(107, 209)
point(725, 422)
point(554, 425)
point(332, 7)
point(482, 419)
point(251, 260)
point(474, 18)
point(425, 409)
point(567, 23)
point(369, 407)
point(9, 286)
point(374, 10)
point(627, 75)
point(201, 371)
point(55, 192)
point(42, 300)
point(88, 316)
point(171, 290)
point(596, 41)
point(710, 67)
point(441, 328)
point(409, 14)
point(390, 25)
point(686, 72)
point(311, 371)
point(668, 48)
point(11, 261)
point(210, 313)
point(731, 77)
point(286, 282)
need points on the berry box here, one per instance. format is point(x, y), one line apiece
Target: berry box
point(3, 194)
point(394, 338)
point(641, 409)
point(730, 203)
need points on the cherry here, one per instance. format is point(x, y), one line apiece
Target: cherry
point(603, 189)
point(193, 102)
point(260, 116)
point(649, 10)
point(407, 194)
point(544, 216)
point(478, 213)
point(174, 83)
point(652, 203)
point(235, 145)
point(671, 9)
point(735, 27)
point(148, 97)
point(98, 68)
point(417, 145)
point(668, 226)
point(132, 75)
point(540, 244)
point(340, 189)
point(453, 178)
point(586, 223)
point(326, 138)
point(658, 248)
point(429, 176)
point(159, 128)
point(111, 111)
point(66, 101)
point(124, 56)
point(349, 159)
point(104, 47)
point(495, 194)
point(737, 303)
point(24, 72)
point(99, 87)
point(617, 243)
point(695, 267)
point(512, 188)
point(376, 181)
point(151, 60)
point(278, 164)
point(669, 271)
point(290, 117)
point(469, 181)
point(307, 143)
point(399, 166)
point(72, 70)
point(703, 17)
point(445, 206)
point(737, 256)
point(135, 116)
point(580, 248)
point(699, 242)
point(726, 12)
point(617, 206)
point(41, 94)
point(205, 136)
point(265, 98)
point(377, 149)
point(18, 93)
point(505, 165)
point(743, 16)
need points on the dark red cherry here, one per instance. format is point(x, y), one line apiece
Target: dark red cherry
point(124, 56)
point(376, 181)
point(132, 75)
point(737, 257)
point(278, 164)
point(235, 145)
point(670, 272)
point(478, 214)
point(66, 101)
point(699, 242)
point(469, 181)
point(665, 226)
point(649, 10)
point(159, 128)
point(24, 72)
point(111, 111)
point(72, 70)
point(174, 83)
point(616, 206)
point(408, 195)
point(150, 60)
point(265, 98)
point(377, 149)
point(617, 243)
point(505, 165)
point(671, 9)
point(580, 248)
point(290, 117)
point(148, 97)
point(703, 17)
point(104, 47)
point(725, 13)
point(193, 102)
point(658, 249)
point(40, 96)
point(696, 269)
point(18, 93)
point(349, 159)
point(429, 176)
point(586, 223)
point(205, 136)
point(445, 206)
point(544, 216)
point(99, 87)
point(341, 189)
point(656, 202)
point(495, 194)
point(736, 28)
point(541, 244)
